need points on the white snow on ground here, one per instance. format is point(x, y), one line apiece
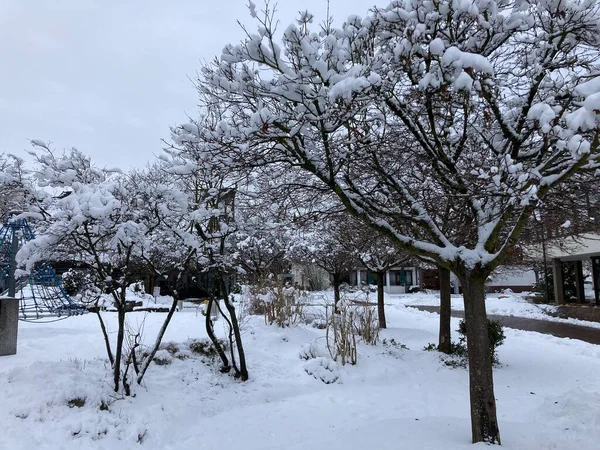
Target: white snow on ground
point(144, 301)
point(502, 304)
point(547, 391)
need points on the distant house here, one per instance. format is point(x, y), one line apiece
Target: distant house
point(515, 278)
point(400, 280)
point(569, 255)
point(397, 280)
point(308, 276)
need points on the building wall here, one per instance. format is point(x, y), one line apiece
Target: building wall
point(308, 277)
point(393, 281)
point(517, 279)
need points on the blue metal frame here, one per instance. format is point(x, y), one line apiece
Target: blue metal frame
point(41, 292)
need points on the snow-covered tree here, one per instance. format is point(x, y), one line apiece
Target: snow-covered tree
point(210, 228)
point(478, 109)
point(378, 255)
point(97, 221)
point(14, 185)
point(262, 238)
point(325, 244)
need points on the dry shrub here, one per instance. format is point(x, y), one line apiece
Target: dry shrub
point(277, 302)
point(366, 323)
point(351, 323)
point(340, 335)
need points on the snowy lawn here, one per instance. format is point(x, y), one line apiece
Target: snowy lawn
point(547, 389)
point(502, 304)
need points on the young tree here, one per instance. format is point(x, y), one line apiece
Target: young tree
point(97, 222)
point(378, 255)
point(479, 109)
point(326, 244)
point(211, 227)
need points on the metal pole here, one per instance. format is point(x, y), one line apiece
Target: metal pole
point(13, 263)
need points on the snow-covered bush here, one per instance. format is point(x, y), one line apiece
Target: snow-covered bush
point(315, 349)
point(171, 347)
point(204, 347)
point(163, 358)
point(324, 369)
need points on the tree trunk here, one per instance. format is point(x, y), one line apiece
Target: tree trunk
point(158, 340)
point(109, 352)
point(119, 346)
point(211, 334)
point(238, 338)
point(380, 297)
point(484, 423)
point(336, 291)
point(445, 311)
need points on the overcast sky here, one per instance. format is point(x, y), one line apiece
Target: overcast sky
point(110, 76)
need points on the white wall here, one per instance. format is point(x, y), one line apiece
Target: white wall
point(512, 276)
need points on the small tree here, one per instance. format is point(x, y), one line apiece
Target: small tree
point(97, 223)
point(210, 229)
point(378, 255)
point(327, 245)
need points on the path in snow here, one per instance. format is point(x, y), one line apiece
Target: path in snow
point(558, 329)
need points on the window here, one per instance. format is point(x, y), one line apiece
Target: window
point(401, 278)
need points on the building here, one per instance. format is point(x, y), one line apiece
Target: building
point(398, 280)
point(569, 254)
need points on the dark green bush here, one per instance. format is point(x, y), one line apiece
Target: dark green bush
point(76, 402)
point(495, 332)
point(458, 356)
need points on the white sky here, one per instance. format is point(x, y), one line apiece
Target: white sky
point(110, 76)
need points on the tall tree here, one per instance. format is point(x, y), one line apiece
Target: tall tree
point(479, 108)
point(210, 228)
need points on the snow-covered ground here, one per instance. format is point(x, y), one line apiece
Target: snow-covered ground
point(548, 392)
point(503, 304)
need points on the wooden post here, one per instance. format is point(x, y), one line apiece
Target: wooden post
point(596, 277)
point(579, 288)
point(9, 325)
point(559, 284)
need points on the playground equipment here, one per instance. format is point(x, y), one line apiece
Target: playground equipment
point(40, 294)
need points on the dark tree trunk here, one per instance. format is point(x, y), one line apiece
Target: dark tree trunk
point(336, 291)
point(119, 346)
point(234, 327)
point(445, 311)
point(109, 352)
point(238, 339)
point(380, 297)
point(484, 423)
point(211, 334)
point(159, 338)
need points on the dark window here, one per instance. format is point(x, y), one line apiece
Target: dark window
point(401, 278)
